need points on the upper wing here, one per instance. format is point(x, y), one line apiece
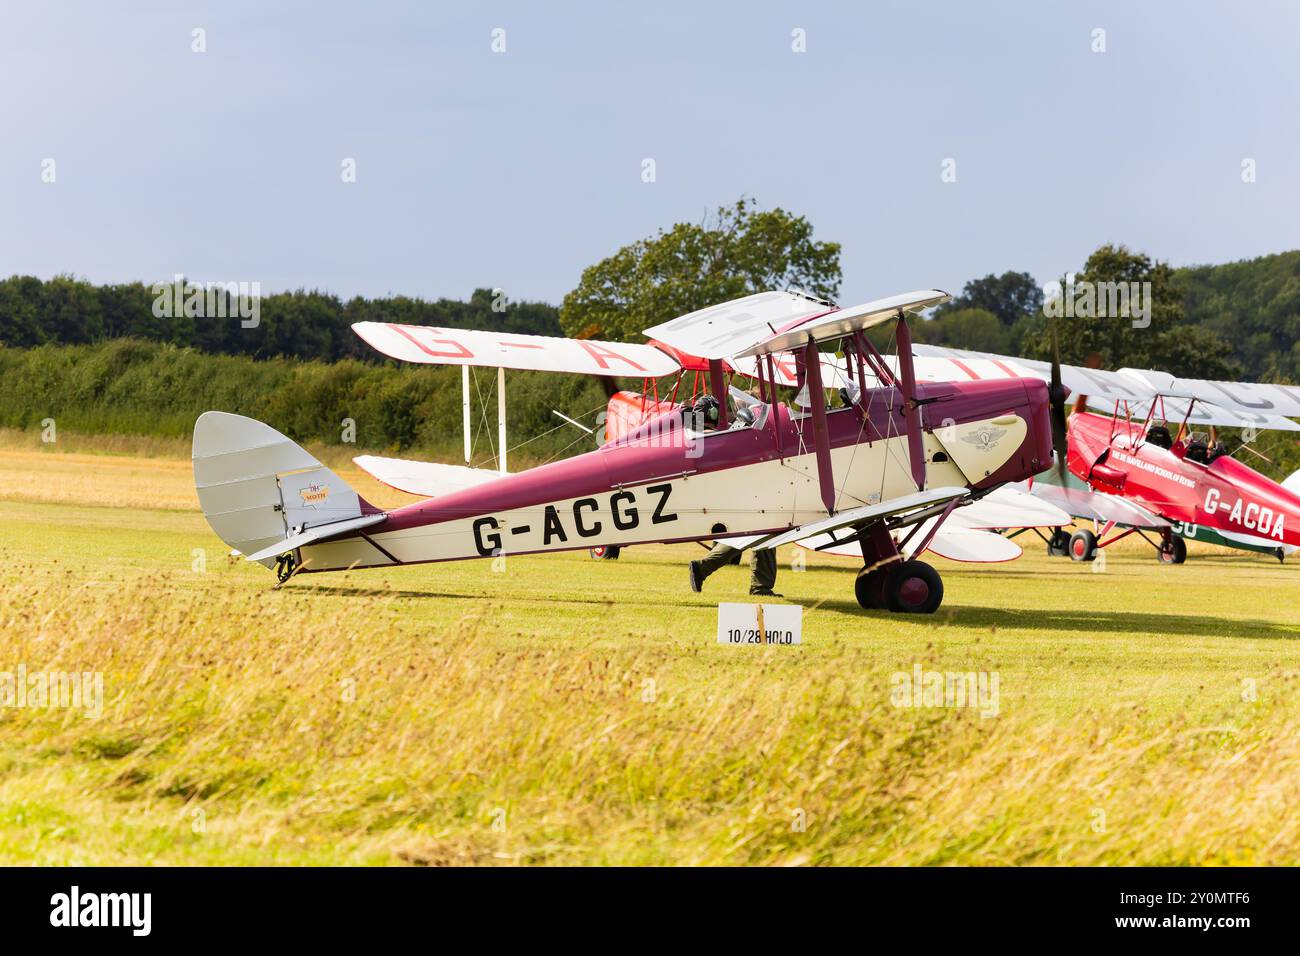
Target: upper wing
point(726, 329)
point(1200, 413)
point(542, 353)
point(1229, 404)
point(786, 370)
point(963, 365)
point(1246, 398)
point(837, 323)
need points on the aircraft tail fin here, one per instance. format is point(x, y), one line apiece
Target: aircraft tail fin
point(258, 488)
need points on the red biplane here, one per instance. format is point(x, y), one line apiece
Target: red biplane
point(883, 472)
point(1133, 474)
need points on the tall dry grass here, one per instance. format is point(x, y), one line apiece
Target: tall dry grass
point(264, 728)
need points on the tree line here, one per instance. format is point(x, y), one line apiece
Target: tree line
point(1236, 320)
point(301, 324)
point(133, 387)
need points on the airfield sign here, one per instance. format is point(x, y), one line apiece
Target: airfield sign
point(760, 624)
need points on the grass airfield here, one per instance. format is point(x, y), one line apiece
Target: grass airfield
point(559, 710)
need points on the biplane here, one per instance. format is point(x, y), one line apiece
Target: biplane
point(883, 471)
point(1148, 460)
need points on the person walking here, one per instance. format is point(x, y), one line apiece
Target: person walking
point(761, 579)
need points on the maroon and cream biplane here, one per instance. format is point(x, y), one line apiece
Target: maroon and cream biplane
point(883, 470)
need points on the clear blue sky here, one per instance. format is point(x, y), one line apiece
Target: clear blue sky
point(519, 169)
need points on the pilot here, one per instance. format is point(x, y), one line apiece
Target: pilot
point(1159, 436)
point(704, 413)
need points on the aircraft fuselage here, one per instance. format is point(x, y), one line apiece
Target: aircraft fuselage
point(662, 483)
point(1224, 495)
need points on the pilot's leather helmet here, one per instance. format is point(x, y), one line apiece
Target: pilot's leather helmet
point(704, 412)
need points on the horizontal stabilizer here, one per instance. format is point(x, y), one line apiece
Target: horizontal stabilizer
point(424, 478)
point(320, 533)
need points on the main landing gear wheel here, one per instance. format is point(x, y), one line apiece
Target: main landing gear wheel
point(870, 588)
point(1173, 550)
point(913, 587)
point(1083, 546)
point(605, 552)
point(1058, 545)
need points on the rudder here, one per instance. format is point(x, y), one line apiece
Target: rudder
point(256, 487)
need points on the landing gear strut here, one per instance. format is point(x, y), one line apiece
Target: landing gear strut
point(285, 565)
point(887, 581)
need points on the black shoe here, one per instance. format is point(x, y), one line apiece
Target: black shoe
point(697, 579)
point(765, 592)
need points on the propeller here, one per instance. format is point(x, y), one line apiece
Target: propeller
point(1056, 394)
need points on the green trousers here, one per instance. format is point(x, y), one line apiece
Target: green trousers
point(763, 576)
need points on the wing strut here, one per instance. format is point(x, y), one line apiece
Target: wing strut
point(911, 410)
point(718, 386)
point(501, 419)
point(464, 407)
point(821, 435)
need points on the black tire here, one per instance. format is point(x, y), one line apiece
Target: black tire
point(285, 565)
point(1058, 545)
point(1083, 546)
point(913, 587)
point(605, 552)
point(870, 588)
point(1173, 551)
